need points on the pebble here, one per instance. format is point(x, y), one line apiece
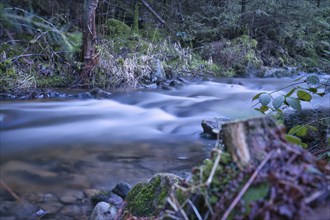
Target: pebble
point(91, 192)
point(51, 207)
point(68, 199)
point(71, 210)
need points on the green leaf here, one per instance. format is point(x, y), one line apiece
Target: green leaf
point(313, 90)
point(256, 96)
point(321, 94)
point(264, 108)
point(304, 96)
point(312, 80)
point(278, 102)
point(259, 110)
point(298, 130)
point(293, 139)
point(265, 99)
point(291, 92)
point(311, 127)
point(293, 103)
point(255, 193)
point(294, 129)
point(304, 145)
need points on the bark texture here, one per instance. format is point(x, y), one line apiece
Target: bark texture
point(90, 36)
point(246, 140)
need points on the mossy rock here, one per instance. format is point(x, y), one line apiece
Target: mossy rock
point(116, 28)
point(146, 199)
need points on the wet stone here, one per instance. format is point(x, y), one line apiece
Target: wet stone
point(212, 126)
point(79, 194)
point(51, 207)
point(103, 211)
point(115, 200)
point(91, 192)
point(122, 189)
point(50, 198)
point(36, 197)
point(68, 199)
point(71, 210)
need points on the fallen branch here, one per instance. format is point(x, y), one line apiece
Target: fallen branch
point(146, 4)
point(11, 192)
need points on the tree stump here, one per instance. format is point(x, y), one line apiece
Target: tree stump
point(247, 140)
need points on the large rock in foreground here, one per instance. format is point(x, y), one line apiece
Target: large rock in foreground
point(145, 199)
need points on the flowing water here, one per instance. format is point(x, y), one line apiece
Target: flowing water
point(49, 146)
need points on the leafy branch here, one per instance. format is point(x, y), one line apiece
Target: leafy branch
point(270, 103)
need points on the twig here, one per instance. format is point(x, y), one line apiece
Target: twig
point(4, 185)
point(216, 162)
point(313, 197)
point(246, 186)
point(321, 151)
point(26, 55)
point(198, 215)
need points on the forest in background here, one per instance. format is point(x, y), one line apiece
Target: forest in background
point(42, 41)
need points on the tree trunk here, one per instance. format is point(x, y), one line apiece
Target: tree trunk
point(243, 6)
point(318, 3)
point(90, 36)
point(246, 140)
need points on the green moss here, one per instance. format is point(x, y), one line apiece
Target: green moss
point(53, 81)
point(145, 199)
point(117, 28)
point(8, 76)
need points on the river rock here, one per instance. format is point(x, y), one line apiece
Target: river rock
point(102, 196)
point(91, 192)
point(175, 83)
point(68, 199)
point(145, 199)
point(211, 126)
point(103, 211)
point(100, 94)
point(310, 116)
point(122, 189)
point(280, 72)
point(51, 207)
point(115, 200)
point(71, 210)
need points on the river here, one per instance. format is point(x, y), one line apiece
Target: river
point(57, 144)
